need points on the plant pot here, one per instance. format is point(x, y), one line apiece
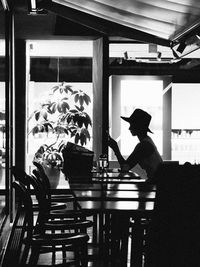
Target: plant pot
point(53, 174)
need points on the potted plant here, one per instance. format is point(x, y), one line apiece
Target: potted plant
point(51, 160)
point(63, 114)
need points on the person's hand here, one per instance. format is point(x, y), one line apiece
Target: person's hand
point(112, 143)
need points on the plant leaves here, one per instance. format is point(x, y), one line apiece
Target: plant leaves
point(82, 139)
point(56, 116)
point(76, 98)
point(68, 88)
point(74, 92)
point(76, 138)
point(86, 99)
point(81, 100)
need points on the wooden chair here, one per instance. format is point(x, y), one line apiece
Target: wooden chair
point(174, 234)
point(55, 219)
point(48, 216)
point(53, 197)
point(36, 188)
point(73, 209)
point(21, 175)
point(39, 239)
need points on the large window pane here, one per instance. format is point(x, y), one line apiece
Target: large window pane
point(128, 93)
point(53, 63)
point(146, 95)
point(38, 93)
point(186, 122)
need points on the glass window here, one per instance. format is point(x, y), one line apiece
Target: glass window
point(131, 92)
point(186, 123)
point(52, 64)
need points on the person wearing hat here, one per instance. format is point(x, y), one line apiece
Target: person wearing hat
point(145, 152)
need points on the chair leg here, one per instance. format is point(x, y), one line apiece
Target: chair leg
point(25, 255)
point(35, 251)
point(84, 256)
point(137, 244)
point(53, 258)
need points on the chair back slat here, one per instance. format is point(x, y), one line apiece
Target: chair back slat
point(25, 202)
point(43, 176)
point(20, 175)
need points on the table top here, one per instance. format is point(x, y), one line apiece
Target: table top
point(114, 192)
point(111, 176)
point(134, 208)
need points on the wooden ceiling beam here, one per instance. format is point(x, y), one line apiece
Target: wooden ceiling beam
point(104, 27)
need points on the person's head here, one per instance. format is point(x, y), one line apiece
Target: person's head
point(139, 122)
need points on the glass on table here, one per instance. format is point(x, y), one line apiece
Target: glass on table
point(103, 163)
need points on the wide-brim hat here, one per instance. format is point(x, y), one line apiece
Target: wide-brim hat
point(140, 119)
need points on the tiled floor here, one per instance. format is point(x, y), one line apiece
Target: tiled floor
point(46, 260)
point(94, 259)
point(95, 262)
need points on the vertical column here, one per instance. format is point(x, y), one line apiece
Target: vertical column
point(20, 101)
point(100, 92)
point(10, 78)
point(167, 86)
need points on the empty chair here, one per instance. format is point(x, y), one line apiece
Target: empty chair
point(40, 173)
point(39, 240)
point(47, 218)
point(67, 220)
point(20, 175)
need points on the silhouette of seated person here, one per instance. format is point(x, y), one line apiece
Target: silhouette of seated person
point(145, 153)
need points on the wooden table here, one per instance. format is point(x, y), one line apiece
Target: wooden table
point(116, 197)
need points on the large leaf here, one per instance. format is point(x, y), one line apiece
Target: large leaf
point(82, 118)
point(82, 98)
point(61, 106)
point(42, 127)
point(86, 99)
point(85, 132)
point(52, 108)
point(76, 98)
point(87, 120)
point(83, 139)
point(41, 113)
point(62, 88)
point(59, 129)
point(76, 138)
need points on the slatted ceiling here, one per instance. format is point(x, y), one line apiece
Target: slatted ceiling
point(141, 18)
point(162, 18)
point(148, 10)
point(188, 3)
point(100, 25)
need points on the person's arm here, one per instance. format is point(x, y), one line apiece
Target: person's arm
point(141, 151)
point(113, 144)
point(124, 164)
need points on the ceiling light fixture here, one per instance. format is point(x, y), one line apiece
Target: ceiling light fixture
point(33, 9)
point(175, 54)
point(181, 47)
point(126, 55)
point(33, 4)
point(5, 4)
point(186, 44)
point(159, 55)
